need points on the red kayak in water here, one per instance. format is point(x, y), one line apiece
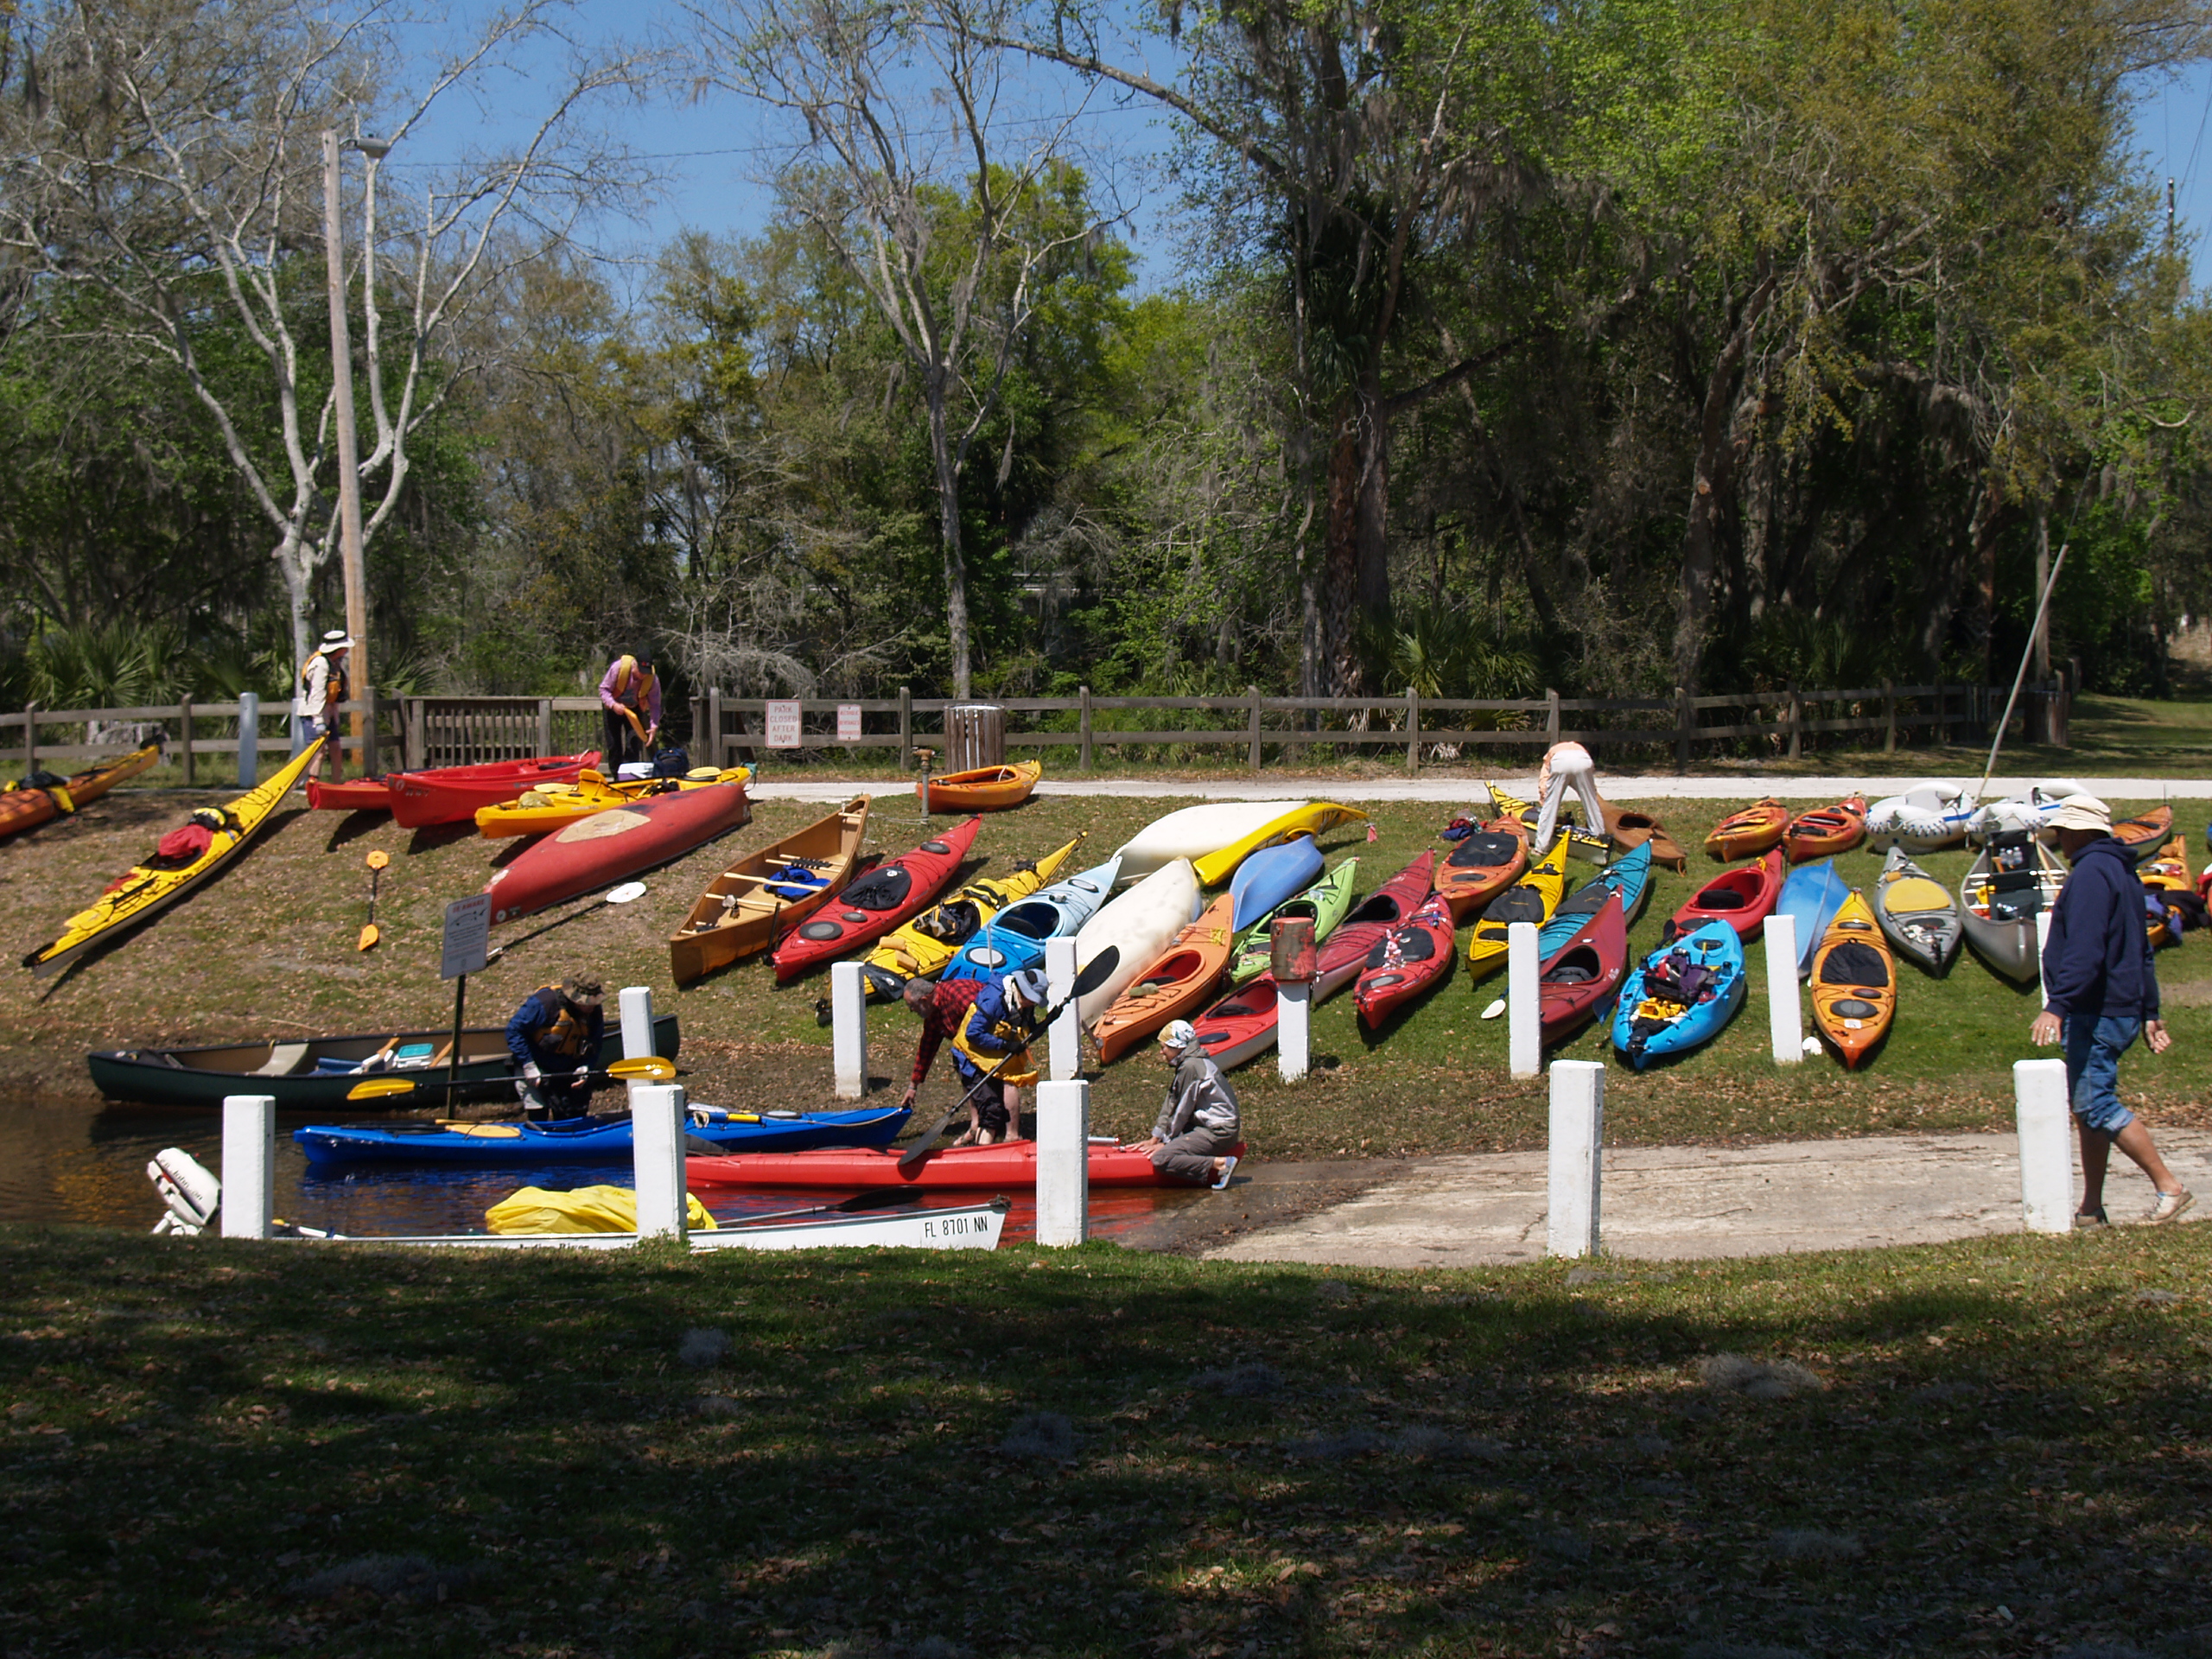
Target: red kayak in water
point(594, 852)
point(452, 794)
point(1011, 1165)
point(888, 896)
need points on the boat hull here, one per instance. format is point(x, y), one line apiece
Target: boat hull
point(923, 946)
point(1192, 832)
point(743, 912)
point(1811, 897)
point(586, 1140)
point(1136, 925)
point(1748, 833)
point(1826, 830)
point(1173, 986)
point(1918, 914)
point(27, 808)
point(608, 846)
point(1629, 877)
point(1584, 974)
point(888, 896)
point(1015, 939)
point(986, 789)
point(453, 794)
point(1998, 906)
point(1742, 898)
point(1314, 819)
point(1010, 1165)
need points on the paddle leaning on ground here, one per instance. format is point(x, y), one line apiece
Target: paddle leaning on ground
point(1095, 973)
point(648, 1068)
point(378, 863)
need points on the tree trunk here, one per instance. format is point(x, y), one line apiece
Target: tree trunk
point(1988, 527)
point(295, 566)
point(948, 515)
point(1340, 556)
point(1371, 510)
point(1711, 497)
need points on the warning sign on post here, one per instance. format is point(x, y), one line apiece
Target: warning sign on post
point(783, 723)
point(849, 723)
point(468, 934)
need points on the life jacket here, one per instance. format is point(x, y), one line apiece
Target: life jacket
point(632, 684)
point(568, 1033)
point(337, 688)
point(1013, 1031)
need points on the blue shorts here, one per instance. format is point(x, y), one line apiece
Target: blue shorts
point(2093, 1052)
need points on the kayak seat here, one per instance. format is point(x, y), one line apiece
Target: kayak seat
point(1483, 852)
point(1725, 899)
point(881, 890)
point(283, 1060)
point(1854, 964)
point(1852, 1007)
point(1515, 905)
point(1575, 974)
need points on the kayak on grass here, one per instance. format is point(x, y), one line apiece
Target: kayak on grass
point(751, 905)
point(1682, 994)
point(610, 846)
point(892, 893)
point(925, 945)
point(544, 808)
point(985, 789)
point(41, 798)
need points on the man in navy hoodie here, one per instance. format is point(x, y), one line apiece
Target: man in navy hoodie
point(2099, 989)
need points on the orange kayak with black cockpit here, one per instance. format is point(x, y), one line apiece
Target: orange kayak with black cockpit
point(25, 806)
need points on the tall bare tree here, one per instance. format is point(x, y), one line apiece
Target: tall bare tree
point(920, 156)
point(166, 157)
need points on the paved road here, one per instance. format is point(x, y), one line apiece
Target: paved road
point(1670, 1203)
point(1459, 790)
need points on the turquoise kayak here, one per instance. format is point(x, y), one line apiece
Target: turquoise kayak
point(1629, 875)
point(598, 1139)
point(1682, 995)
point(1813, 894)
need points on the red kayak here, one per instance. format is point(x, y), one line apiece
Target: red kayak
point(452, 794)
point(1744, 898)
point(597, 851)
point(1586, 972)
point(360, 795)
point(1243, 1024)
point(888, 896)
point(1014, 1164)
point(1406, 963)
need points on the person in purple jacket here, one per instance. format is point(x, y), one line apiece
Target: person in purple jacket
point(2099, 989)
point(629, 703)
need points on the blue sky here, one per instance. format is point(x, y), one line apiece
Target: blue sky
point(712, 151)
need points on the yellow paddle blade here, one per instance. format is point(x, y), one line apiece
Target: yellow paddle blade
point(380, 860)
point(370, 935)
point(380, 1088)
point(649, 1069)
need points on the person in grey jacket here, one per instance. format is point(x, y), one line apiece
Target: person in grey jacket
point(1198, 1122)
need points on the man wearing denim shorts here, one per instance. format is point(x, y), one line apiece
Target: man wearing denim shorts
point(2099, 989)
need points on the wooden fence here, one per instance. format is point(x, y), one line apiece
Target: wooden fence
point(416, 732)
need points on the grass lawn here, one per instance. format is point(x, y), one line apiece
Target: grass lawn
point(2001, 1447)
point(269, 949)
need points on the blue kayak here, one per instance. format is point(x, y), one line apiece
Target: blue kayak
point(1272, 876)
point(1682, 994)
point(1014, 938)
point(1813, 894)
point(600, 1138)
point(1629, 875)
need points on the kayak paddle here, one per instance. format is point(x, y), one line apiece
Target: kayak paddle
point(650, 1068)
point(1100, 970)
point(622, 895)
point(377, 860)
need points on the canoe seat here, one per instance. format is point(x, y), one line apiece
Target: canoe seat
point(283, 1060)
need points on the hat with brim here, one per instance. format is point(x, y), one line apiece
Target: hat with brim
point(337, 639)
point(2082, 812)
point(1029, 985)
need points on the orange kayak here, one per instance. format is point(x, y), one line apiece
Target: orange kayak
point(1750, 832)
point(1483, 866)
point(1854, 983)
point(987, 789)
point(1174, 987)
point(1826, 830)
point(24, 808)
point(2145, 837)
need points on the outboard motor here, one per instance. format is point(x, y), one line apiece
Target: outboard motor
point(193, 1194)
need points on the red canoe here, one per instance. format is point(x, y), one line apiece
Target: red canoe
point(597, 851)
point(359, 795)
point(1586, 972)
point(1011, 1165)
point(452, 794)
point(888, 896)
point(1410, 960)
point(1744, 898)
point(1243, 1024)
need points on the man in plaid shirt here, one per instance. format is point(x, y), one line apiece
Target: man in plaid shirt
point(943, 1006)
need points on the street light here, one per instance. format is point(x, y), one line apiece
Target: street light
point(349, 474)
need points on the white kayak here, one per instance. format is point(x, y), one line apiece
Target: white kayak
point(1926, 818)
point(967, 1226)
point(1197, 831)
point(1138, 924)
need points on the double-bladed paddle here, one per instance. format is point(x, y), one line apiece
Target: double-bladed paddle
point(1100, 969)
point(622, 895)
point(648, 1068)
point(377, 860)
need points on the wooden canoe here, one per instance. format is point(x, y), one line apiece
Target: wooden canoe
point(1750, 832)
point(1854, 983)
point(750, 905)
point(2144, 836)
point(1826, 830)
point(1632, 829)
point(987, 789)
point(27, 807)
point(1174, 986)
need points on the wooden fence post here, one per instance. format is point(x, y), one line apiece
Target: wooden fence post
point(1890, 714)
point(544, 726)
point(410, 753)
point(30, 740)
point(1083, 726)
point(1943, 714)
point(1551, 716)
point(1413, 733)
point(184, 725)
point(1796, 721)
point(1685, 727)
point(906, 728)
point(1252, 692)
point(717, 756)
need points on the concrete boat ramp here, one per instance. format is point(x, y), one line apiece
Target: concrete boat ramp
point(1658, 1202)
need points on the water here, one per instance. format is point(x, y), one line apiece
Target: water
point(71, 1161)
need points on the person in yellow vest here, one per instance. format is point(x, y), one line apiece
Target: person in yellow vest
point(994, 1037)
point(555, 1038)
point(323, 684)
point(629, 704)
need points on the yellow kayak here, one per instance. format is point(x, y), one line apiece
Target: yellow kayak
point(925, 945)
point(1532, 898)
point(1579, 835)
point(143, 892)
point(1309, 818)
point(555, 806)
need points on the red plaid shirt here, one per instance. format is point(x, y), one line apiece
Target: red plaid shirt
point(946, 1014)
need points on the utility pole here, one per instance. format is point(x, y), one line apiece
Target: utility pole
point(349, 465)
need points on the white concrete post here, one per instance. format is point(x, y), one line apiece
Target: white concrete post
point(657, 1131)
point(2042, 941)
point(848, 1030)
point(637, 1005)
point(1067, 1029)
point(249, 1164)
point(1578, 1158)
point(1785, 1009)
point(1524, 1003)
point(1294, 1030)
point(1063, 1162)
point(2046, 1146)
point(249, 742)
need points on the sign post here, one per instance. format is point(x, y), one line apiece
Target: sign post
point(782, 719)
point(468, 939)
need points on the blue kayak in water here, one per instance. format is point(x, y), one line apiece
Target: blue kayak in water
point(1629, 875)
point(1682, 995)
point(1272, 876)
point(1813, 894)
point(598, 1139)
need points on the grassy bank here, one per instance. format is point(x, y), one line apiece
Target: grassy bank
point(269, 949)
point(1989, 1448)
